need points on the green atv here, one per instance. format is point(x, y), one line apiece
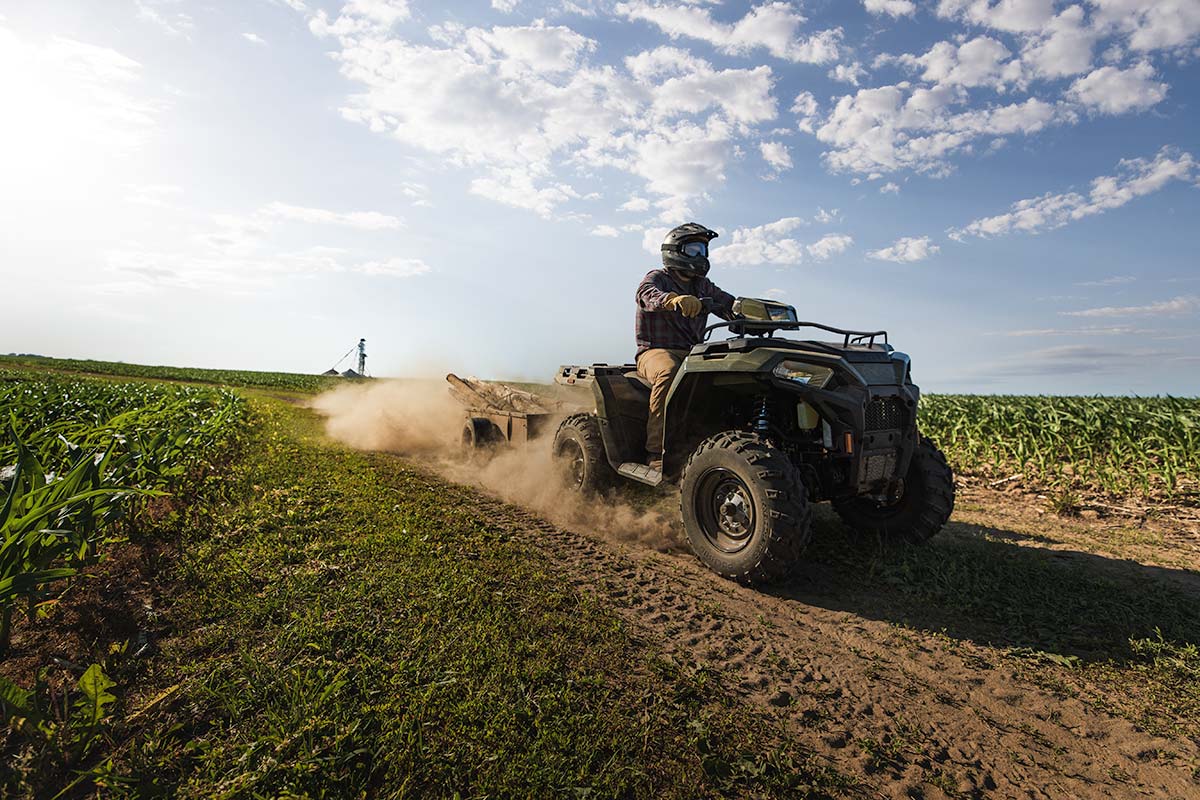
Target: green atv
point(757, 428)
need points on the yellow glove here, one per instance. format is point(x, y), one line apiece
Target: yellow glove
point(685, 304)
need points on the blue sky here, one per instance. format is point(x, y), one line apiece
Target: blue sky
point(1010, 188)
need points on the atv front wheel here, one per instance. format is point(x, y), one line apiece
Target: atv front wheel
point(579, 453)
point(925, 501)
point(745, 508)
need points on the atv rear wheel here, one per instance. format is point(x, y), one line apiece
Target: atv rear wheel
point(579, 453)
point(745, 508)
point(925, 503)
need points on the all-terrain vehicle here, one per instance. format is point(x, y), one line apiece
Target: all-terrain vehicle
point(757, 428)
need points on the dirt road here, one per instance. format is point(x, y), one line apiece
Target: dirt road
point(880, 662)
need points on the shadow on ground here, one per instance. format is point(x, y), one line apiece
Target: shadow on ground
point(972, 582)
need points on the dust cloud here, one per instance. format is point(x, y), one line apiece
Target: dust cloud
point(421, 418)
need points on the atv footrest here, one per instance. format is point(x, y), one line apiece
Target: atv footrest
point(640, 473)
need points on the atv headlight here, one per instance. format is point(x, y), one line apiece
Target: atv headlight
point(809, 374)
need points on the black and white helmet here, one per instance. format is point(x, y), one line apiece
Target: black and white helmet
point(686, 249)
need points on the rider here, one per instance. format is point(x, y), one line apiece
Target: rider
point(671, 319)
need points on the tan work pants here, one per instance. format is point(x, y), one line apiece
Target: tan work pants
point(659, 367)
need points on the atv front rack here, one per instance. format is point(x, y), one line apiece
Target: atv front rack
point(765, 327)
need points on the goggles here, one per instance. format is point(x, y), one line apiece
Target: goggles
point(693, 249)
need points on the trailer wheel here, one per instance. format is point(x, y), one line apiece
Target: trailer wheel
point(480, 437)
point(925, 501)
point(579, 454)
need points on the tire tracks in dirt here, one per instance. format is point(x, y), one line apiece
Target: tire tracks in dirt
point(909, 713)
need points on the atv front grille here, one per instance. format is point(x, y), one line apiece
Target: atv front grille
point(884, 413)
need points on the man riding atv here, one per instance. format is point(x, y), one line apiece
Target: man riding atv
point(753, 426)
point(671, 319)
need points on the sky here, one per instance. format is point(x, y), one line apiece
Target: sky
point(1009, 187)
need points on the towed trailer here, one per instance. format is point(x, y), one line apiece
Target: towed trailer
point(498, 414)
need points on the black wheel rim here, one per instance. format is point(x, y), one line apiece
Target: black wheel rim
point(574, 463)
point(725, 509)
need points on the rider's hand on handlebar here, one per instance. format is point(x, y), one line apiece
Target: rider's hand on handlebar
point(685, 304)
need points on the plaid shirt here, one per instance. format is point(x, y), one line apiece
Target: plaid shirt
point(659, 327)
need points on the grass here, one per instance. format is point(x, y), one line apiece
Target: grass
point(346, 626)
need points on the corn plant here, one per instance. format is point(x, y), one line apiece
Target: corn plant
point(77, 456)
point(1125, 446)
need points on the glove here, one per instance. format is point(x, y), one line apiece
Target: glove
point(685, 304)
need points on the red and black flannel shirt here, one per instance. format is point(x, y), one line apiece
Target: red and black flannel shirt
point(659, 327)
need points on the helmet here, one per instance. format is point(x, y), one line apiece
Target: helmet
point(686, 249)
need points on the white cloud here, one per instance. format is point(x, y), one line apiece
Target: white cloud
point(519, 103)
point(1150, 24)
point(1184, 304)
point(889, 188)
point(825, 217)
point(520, 50)
point(893, 8)
point(163, 14)
point(1005, 15)
point(1114, 280)
point(888, 128)
point(361, 17)
point(773, 26)
point(776, 154)
point(417, 192)
point(635, 203)
point(515, 187)
point(1135, 178)
point(805, 108)
point(1062, 48)
point(1115, 91)
point(978, 62)
point(254, 37)
point(848, 73)
point(394, 268)
point(763, 244)
point(773, 243)
point(244, 253)
point(829, 245)
point(363, 220)
point(505, 6)
point(605, 230)
point(907, 250)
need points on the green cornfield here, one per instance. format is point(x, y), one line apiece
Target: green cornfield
point(1138, 447)
point(290, 381)
point(78, 458)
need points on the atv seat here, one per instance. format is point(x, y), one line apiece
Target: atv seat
point(633, 376)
